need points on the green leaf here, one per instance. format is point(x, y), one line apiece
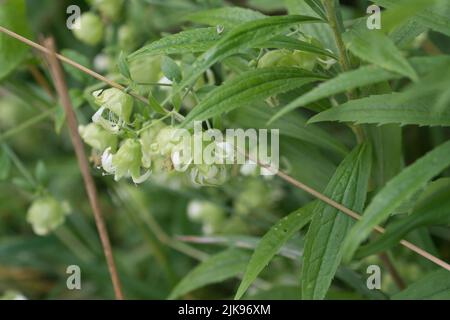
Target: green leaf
point(358, 78)
point(246, 35)
point(5, 165)
point(397, 191)
point(294, 126)
point(386, 108)
point(219, 267)
point(190, 41)
point(432, 208)
point(227, 17)
point(248, 87)
point(12, 51)
point(318, 8)
point(271, 243)
point(435, 17)
point(375, 47)
point(79, 58)
point(321, 32)
point(41, 172)
point(323, 244)
point(122, 64)
point(170, 69)
point(154, 104)
point(434, 286)
point(285, 42)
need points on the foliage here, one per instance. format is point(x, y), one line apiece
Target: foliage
point(363, 119)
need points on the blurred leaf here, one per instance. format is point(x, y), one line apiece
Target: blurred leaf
point(434, 286)
point(227, 17)
point(60, 119)
point(12, 51)
point(248, 87)
point(323, 243)
point(170, 69)
point(293, 126)
point(397, 190)
point(5, 165)
point(436, 16)
point(432, 208)
point(40, 172)
point(271, 243)
point(217, 268)
point(190, 41)
point(373, 46)
point(386, 108)
point(79, 58)
point(363, 76)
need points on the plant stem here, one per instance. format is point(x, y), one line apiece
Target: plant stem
point(61, 88)
point(20, 166)
point(330, 6)
point(26, 124)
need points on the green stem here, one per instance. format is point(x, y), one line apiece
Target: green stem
point(26, 124)
point(330, 6)
point(20, 166)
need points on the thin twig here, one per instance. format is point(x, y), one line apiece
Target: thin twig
point(79, 67)
point(40, 79)
point(281, 174)
point(392, 270)
point(61, 88)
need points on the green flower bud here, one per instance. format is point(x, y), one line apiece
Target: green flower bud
point(211, 215)
point(127, 36)
point(149, 143)
point(255, 195)
point(97, 137)
point(110, 9)
point(115, 100)
point(146, 69)
point(12, 295)
point(208, 175)
point(288, 58)
point(91, 29)
point(45, 215)
point(126, 162)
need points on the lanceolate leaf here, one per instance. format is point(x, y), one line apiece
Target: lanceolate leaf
point(397, 191)
point(295, 126)
point(322, 253)
point(360, 77)
point(12, 52)
point(227, 17)
point(285, 42)
point(219, 267)
point(386, 108)
point(434, 286)
point(246, 35)
point(435, 17)
point(251, 86)
point(433, 208)
point(375, 47)
point(190, 41)
point(271, 243)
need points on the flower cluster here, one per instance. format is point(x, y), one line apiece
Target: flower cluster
point(156, 147)
point(46, 214)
